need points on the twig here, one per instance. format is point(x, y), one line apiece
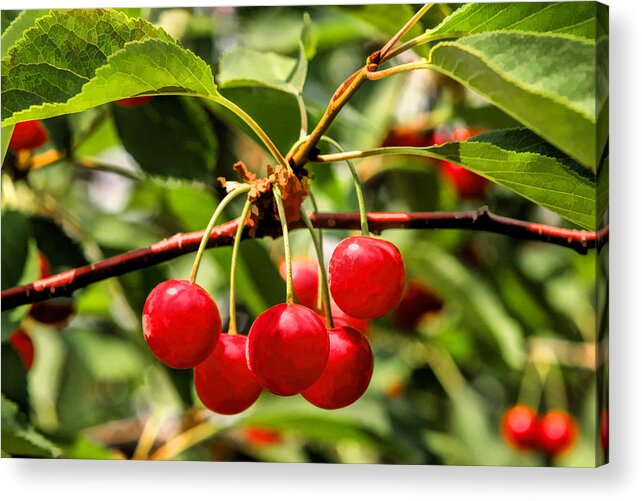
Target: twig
point(65, 283)
point(345, 91)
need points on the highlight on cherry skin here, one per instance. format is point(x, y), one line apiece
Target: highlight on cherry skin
point(348, 372)
point(366, 276)
point(29, 135)
point(556, 432)
point(519, 427)
point(223, 381)
point(287, 348)
point(181, 323)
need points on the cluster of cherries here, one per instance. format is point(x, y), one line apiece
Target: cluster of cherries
point(551, 434)
point(289, 348)
point(468, 184)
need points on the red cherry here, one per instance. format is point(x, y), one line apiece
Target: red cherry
point(287, 348)
point(408, 136)
point(348, 372)
point(604, 430)
point(467, 183)
point(556, 432)
point(519, 427)
point(416, 302)
point(28, 135)
point(55, 311)
point(305, 280)
point(223, 382)
point(181, 323)
point(261, 436)
point(342, 319)
point(366, 276)
point(134, 102)
point(22, 343)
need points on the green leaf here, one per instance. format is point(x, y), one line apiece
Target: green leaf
point(107, 358)
point(545, 81)
point(61, 250)
point(6, 137)
point(276, 112)
point(16, 233)
point(602, 192)
point(84, 448)
point(457, 284)
point(169, 136)
point(526, 164)
point(577, 18)
point(387, 19)
point(14, 376)
point(19, 438)
point(324, 428)
point(245, 67)
point(74, 60)
point(309, 37)
point(26, 19)
point(19, 263)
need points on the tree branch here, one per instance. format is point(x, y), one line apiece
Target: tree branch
point(65, 283)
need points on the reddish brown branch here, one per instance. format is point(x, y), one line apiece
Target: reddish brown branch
point(481, 220)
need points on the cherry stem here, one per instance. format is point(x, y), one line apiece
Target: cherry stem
point(422, 64)
point(555, 389)
point(422, 39)
point(324, 276)
point(295, 146)
point(303, 131)
point(289, 294)
point(405, 29)
point(235, 251)
point(385, 150)
point(530, 389)
point(208, 230)
point(320, 286)
point(363, 214)
point(255, 128)
point(187, 439)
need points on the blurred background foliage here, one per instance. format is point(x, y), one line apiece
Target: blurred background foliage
point(514, 314)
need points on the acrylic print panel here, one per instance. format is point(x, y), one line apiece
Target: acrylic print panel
point(173, 178)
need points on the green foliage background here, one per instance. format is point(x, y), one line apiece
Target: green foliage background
point(530, 75)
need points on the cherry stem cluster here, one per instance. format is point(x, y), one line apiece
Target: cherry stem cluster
point(208, 230)
point(357, 187)
point(65, 283)
point(286, 245)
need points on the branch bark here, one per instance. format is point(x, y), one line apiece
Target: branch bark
point(67, 282)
